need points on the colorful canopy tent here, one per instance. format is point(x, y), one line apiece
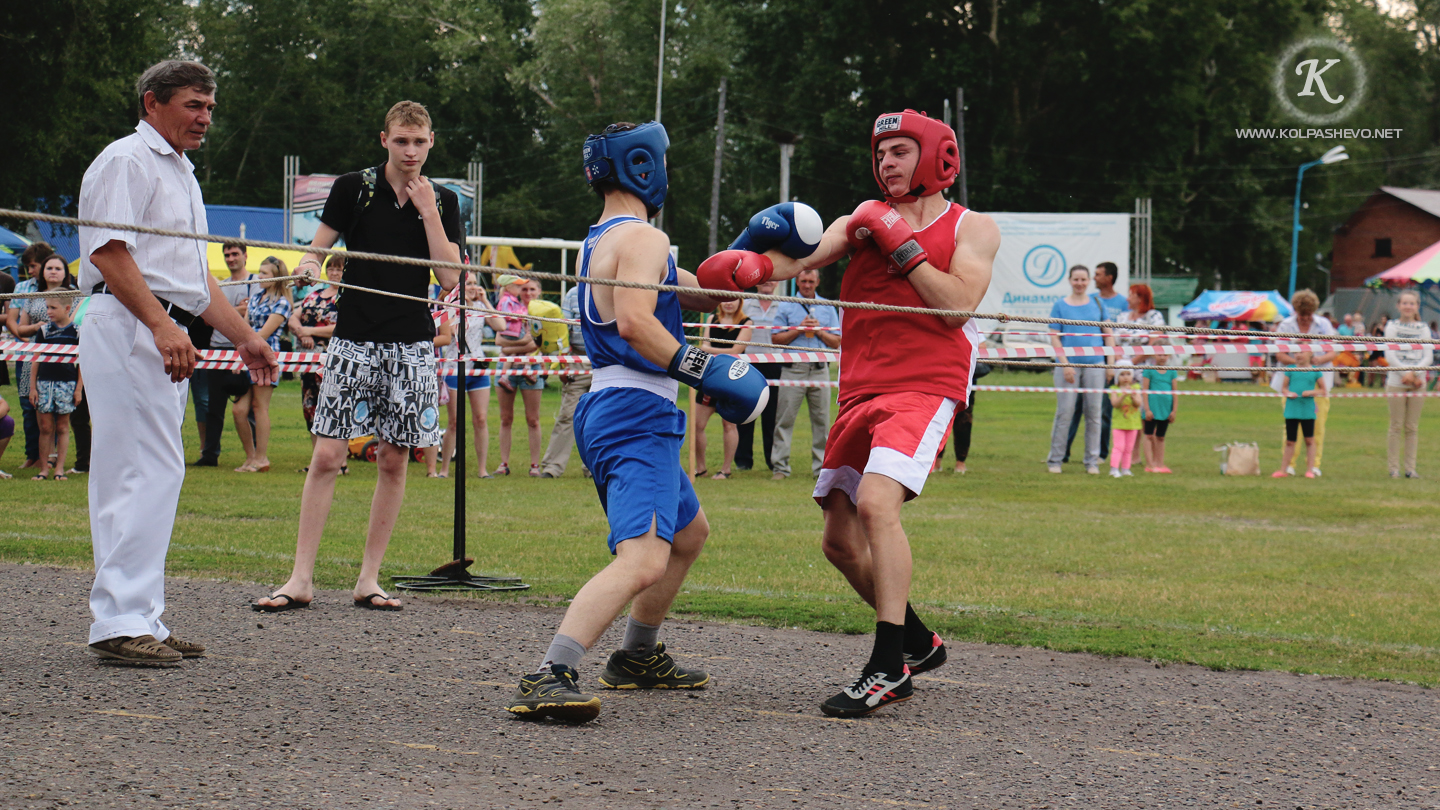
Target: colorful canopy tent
point(1234, 305)
point(11, 246)
point(1422, 270)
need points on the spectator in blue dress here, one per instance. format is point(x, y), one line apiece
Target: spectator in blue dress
point(268, 310)
point(1078, 306)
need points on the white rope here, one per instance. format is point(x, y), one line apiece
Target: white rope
point(533, 274)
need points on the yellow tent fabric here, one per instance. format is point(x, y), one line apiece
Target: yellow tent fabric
point(502, 256)
point(215, 259)
point(253, 257)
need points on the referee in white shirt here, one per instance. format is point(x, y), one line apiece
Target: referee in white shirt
point(137, 358)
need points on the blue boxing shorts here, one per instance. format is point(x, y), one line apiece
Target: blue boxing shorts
point(630, 439)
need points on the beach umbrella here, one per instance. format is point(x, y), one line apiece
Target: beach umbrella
point(1236, 305)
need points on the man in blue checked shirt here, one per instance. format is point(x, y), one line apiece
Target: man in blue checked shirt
point(804, 327)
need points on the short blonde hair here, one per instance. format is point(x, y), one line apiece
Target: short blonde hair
point(407, 114)
point(1305, 302)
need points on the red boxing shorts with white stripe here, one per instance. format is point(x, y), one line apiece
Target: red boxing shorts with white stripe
point(894, 435)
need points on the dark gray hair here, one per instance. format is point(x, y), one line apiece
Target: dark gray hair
point(164, 78)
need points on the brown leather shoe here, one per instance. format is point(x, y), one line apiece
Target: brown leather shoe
point(139, 651)
point(188, 649)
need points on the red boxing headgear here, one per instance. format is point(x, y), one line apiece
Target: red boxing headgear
point(939, 153)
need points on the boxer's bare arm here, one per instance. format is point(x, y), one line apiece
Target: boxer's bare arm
point(968, 277)
point(636, 258)
point(694, 301)
point(833, 247)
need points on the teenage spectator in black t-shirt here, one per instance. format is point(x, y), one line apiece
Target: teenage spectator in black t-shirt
point(379, 375)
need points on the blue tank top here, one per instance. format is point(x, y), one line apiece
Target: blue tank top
point(602, 338)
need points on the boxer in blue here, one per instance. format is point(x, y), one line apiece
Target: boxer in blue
point(629, 432)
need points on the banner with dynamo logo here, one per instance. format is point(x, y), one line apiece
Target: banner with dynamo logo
point(1037, 250)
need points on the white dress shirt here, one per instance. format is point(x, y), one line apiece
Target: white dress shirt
point(141, 179)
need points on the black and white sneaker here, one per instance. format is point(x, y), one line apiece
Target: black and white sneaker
point(932, 658)
point(870, 692)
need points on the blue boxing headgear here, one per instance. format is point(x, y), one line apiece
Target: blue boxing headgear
point(624, 156)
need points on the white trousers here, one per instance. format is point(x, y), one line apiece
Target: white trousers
point(137, 465)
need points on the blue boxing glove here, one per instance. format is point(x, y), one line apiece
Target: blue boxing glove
point(740, 392)
point(792, 228)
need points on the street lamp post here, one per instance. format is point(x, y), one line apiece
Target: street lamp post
point(1335, 155)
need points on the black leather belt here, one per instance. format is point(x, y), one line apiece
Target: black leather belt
point(180, 316)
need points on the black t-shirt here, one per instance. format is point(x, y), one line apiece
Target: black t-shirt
point(385, 228)
point(58, 372)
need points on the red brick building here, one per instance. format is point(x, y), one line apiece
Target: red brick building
point(1388, 228)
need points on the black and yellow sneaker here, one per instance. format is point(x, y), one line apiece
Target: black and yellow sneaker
point(553, 694)
point(654, 671)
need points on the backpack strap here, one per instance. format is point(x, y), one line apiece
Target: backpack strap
point(369, 178)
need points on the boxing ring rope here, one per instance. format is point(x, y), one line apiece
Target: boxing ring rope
point(558, 277)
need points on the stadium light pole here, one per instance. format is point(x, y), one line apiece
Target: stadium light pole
point(1335, 155)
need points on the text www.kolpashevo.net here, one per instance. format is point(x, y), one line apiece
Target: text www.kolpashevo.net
point(1320, 134)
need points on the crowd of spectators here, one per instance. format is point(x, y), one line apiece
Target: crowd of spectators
point(53, 408)
point(51, 395)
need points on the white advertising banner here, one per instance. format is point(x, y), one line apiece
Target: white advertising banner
point(1036, 250)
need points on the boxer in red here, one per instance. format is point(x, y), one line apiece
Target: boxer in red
point(902, 377)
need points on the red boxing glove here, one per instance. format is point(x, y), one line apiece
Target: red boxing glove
point(876, 220)
point(734, 270)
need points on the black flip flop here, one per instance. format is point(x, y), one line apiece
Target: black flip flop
point(364, 603)
point(291, 603)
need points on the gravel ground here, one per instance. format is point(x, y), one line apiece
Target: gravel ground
point(338, 707)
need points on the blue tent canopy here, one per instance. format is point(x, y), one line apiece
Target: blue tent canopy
point(11, 246)
point(1236, 305)
point(14, 241)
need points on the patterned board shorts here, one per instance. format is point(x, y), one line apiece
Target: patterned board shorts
point(386, 389)
point(56, 396)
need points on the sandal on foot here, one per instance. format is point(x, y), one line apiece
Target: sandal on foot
point(720, 476)
point(344, 469)
point(4, 476)
point(703, 473)
point(291, 603)
point(484, 474)
point(368, 603)
point(40, 477)
point(64, 477)
point(534, 470)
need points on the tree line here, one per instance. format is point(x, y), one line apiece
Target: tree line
point(1071, 105)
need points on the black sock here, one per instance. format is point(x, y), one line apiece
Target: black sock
point(918, 638)
point(888, 653)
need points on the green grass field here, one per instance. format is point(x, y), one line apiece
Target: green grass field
point(1339, 575)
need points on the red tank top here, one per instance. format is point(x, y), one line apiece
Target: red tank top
point(890, 352)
